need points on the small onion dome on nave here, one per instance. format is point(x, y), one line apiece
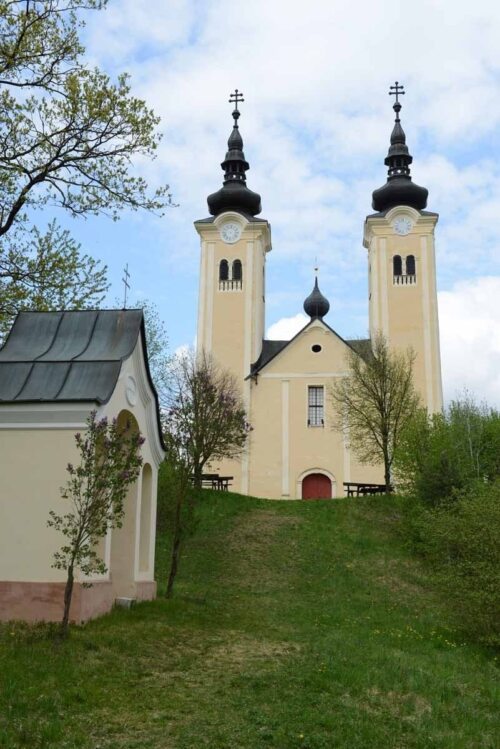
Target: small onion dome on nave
point(316, 305)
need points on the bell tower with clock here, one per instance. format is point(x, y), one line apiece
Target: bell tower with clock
point(399, 238)
point(234, 243)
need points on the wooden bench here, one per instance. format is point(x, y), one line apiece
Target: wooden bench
point(358, 489)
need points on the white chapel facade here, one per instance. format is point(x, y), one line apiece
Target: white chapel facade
point(292, 451)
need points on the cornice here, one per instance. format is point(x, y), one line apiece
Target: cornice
point(378, 225)
point(250, 229)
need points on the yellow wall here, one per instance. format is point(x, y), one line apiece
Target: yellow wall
point(33, 470)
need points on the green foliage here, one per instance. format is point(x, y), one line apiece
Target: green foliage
point(110, 461)
point(68, 137)
point(160, 361)
point(375, 402)
point(46, 272)
point(170, 485)
point(460, 543)
point(443, 453)
point(67, 132)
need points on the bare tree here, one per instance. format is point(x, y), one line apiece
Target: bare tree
point(375, 401)
point(110, 461)
point(204, 421)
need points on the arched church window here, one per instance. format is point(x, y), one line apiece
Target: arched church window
point(397, 265)
point(223, 270)
point(410, 265)
point(237, 270)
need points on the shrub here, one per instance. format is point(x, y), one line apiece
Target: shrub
point(459, 540)
point(442, 454)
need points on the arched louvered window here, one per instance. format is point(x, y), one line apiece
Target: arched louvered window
point(237, 270)
point(410, 265)
point(397, 265)
point(223, 270)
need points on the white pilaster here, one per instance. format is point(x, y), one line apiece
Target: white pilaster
point(285, 438)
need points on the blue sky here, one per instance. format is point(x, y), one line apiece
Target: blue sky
point(316, 123)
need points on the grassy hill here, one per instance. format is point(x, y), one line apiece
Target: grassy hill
point(293, 625)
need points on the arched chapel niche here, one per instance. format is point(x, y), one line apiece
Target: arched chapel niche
point(145, 527)
point(122, 565)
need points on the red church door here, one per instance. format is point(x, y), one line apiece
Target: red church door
point(316, 486)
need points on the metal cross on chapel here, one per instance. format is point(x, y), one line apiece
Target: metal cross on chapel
point(235, 98)
point(397, 90)
point(126, 285)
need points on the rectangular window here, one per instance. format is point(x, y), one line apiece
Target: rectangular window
point(315, 406)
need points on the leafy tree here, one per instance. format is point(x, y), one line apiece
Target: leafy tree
point(68, 138)
point(375, 401)
point(47, 271)
point(442, 454)
point(110, 461)
point(67, 132)
point(204, 421)
point(160, 361)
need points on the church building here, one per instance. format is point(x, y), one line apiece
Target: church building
point(292, 451)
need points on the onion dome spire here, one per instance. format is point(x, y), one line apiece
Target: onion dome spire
point(316, 305)
point(399, 188)
point(234, 194)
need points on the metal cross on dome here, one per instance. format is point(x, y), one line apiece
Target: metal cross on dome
point(397, 90)
point(235, 98)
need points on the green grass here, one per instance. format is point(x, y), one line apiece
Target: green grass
point(293, 625)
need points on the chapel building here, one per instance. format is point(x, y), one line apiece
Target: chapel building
point(292, 451)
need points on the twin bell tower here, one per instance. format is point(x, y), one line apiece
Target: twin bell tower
point(402, 304)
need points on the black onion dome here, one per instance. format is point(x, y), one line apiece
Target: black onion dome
point(316, 305)
point(399, 188)
point(234, 194)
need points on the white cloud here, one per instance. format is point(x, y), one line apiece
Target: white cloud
point(287, 327)
point(316, 124)
point(469, 318)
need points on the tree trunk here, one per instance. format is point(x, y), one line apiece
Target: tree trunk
point(387, 476)
point(68, 594)
point(176, 543)
point(197, 474)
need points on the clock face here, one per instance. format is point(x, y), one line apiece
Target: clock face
point(403, 225)
point(230, 232)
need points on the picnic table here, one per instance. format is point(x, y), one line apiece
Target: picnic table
point(215, 481)
point(360, 489)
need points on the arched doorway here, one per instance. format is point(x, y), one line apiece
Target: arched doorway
point(316, 486)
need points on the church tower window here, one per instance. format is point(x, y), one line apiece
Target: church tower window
point(315, 406)
point(410, 265)
point(397, 265)
point(237, 274)
point(223, 270)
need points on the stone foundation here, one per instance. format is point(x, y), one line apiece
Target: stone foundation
point(34, 602)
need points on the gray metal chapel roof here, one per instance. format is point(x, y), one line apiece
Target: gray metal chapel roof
point(68, 355)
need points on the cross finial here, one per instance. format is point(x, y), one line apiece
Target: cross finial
point(235, 98)
point(126, 285)
point(397, 90)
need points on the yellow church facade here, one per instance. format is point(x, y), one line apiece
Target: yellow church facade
point(292, 450)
